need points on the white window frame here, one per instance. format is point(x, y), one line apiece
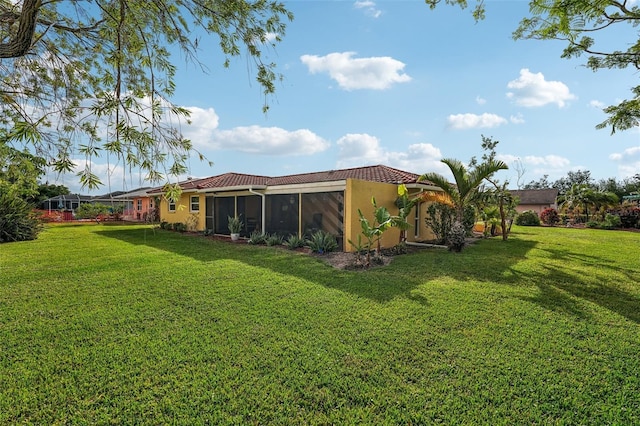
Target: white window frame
point(172, 206)
point(196, 203)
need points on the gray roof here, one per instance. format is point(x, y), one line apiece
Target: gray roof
point(536, 196)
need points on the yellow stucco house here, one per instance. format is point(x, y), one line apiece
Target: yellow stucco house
point(298, 204)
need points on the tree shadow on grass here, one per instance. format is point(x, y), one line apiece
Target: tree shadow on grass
point(399, 279)
point(560, 287)
point(490, 260)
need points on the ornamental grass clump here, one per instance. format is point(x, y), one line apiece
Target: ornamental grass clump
point(257, 238)
point(275, 240)
point(294, 242)
point(322, 242)
point(18, 222)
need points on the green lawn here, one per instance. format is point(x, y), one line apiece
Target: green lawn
point(112, 324)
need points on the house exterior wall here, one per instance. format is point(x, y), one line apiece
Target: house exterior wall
point(331, 211)
point(358, 195)
point(538, 208)
point(133, 213)
point(183, 212)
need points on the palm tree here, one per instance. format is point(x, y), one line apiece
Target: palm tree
point(466, 181)
point(601, 200)
point(577, 197)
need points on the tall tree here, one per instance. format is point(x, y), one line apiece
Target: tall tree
point(499, 194)
point(542, 183)
point(576, 198)
point(631, 184)
point(96, 76)
point(579, 177)
point(578, 23)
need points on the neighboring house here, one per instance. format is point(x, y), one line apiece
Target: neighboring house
point(535, 199)
point(67, 204)
point(297, 204)
point(138, 204)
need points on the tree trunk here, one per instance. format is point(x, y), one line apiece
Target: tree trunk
point(503, 222)
point(20, 43)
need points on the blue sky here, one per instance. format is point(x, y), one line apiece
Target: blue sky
point(395, 83)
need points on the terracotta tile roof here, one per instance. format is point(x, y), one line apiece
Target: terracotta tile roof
point(232, 179)
point(379, 173)
point(185, 185)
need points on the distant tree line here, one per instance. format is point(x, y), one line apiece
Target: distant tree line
point(583, 177)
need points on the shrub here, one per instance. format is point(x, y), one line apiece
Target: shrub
point(257, 237)
point(469, 219)
point(192, 222)
point(165, 225)
point(629, 217)
point(18, 222)
point(528, 218)
point(91, 210)
point(51, 216)
point(294, 242)
point(549, 216)
point(611, 221)
point(179, 226)
point(591, 224)
point(322, 242)
point(457, 236)
point(235, 224)
point(274, 240)
point(440, 218)
point(153, 215)
point(400, 248)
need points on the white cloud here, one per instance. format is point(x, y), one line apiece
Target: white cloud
point(596, 104)
point(113, 175)
point(628, 161)
point(627, 155)
point(357, 150)
point(552, 165)
point(517, 119)
point(552, 161)
point(369, 8)
point(203, 124)
point(377, 73)
point(474, 121)
point(532, 90)
point(628, 170)
point(480, 101)
point(269, 141)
